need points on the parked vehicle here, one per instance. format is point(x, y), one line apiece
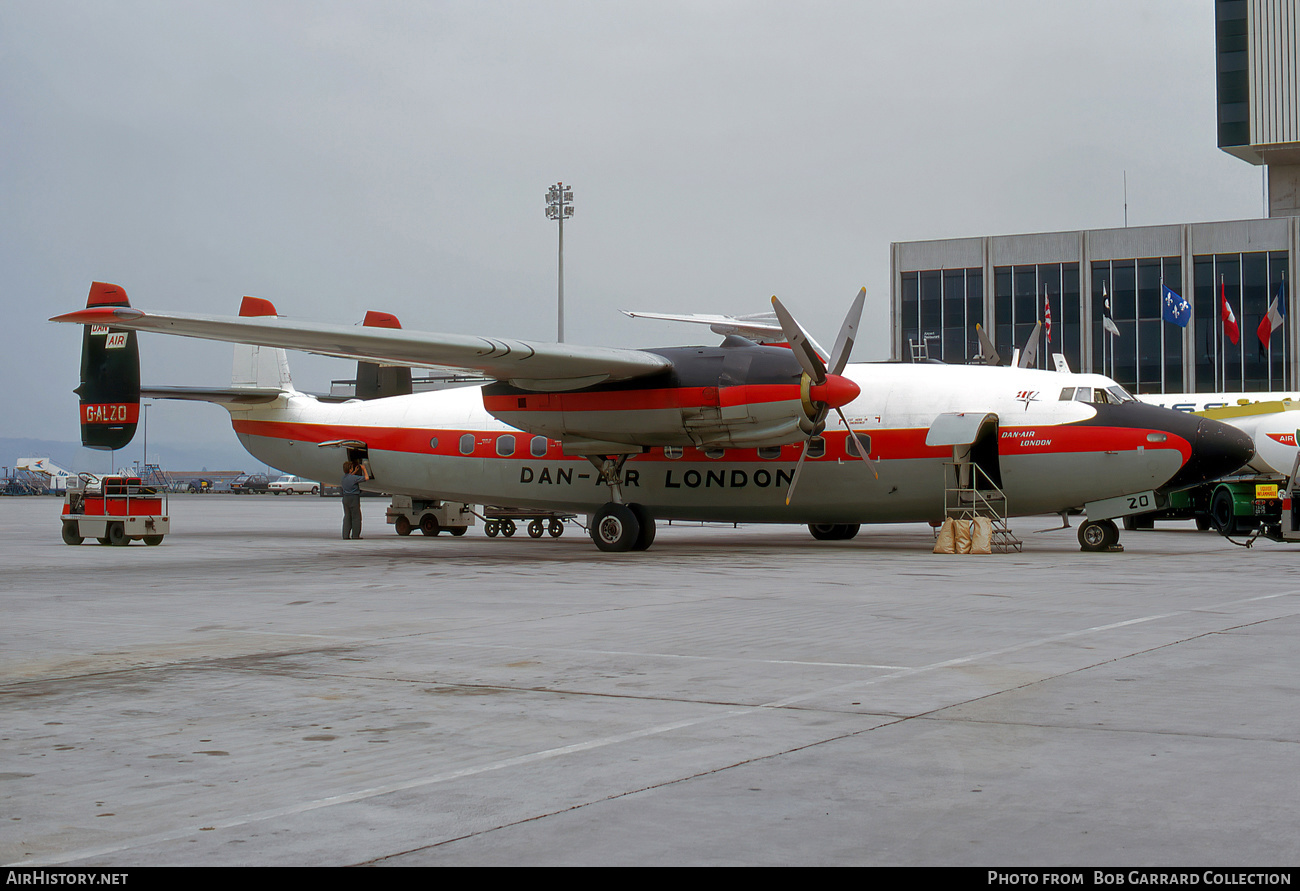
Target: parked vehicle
point(294, 485)
point(115, 510)
point(250, 484)
point(200, 484)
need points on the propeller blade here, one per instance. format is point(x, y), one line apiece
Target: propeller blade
point(848, 332)
point(857, 444)
point(801, 344)
point(1029, 355)
point(789, 493)
point(987, 352)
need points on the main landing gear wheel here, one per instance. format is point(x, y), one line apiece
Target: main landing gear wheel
point(71, 536)
point(618, 527)
point(429, 525)
point(646, 537)
point(402, 526)
point(1098, 535)
point(834, 531)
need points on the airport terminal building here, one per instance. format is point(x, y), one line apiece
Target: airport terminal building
point(1009, 283)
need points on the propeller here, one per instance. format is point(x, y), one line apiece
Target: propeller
point(823, 387)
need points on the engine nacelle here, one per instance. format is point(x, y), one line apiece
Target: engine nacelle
point(738, 395)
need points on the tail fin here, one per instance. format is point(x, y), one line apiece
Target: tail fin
point(259, 366)
point(110, 377)
point(376, 381)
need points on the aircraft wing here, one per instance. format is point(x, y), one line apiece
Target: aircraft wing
point(760, 327)
point(524, 364)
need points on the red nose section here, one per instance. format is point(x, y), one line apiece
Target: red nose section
point(836, 392)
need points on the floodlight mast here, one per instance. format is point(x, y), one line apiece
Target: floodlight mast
point(559, 207)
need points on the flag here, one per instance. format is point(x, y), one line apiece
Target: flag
point(1273, 318)
point(1174, 309)
point(1047, 316)
point(1107, 323)
point(1229, 317)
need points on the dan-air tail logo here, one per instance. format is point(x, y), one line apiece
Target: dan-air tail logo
point(1027, 396)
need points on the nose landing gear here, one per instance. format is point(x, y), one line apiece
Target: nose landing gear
point(1099, 535)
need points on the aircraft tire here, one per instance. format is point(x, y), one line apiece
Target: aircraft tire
point(833, 531)
point(117, 535)
point(646, 536)
point(1098, 535)
point(615, 528)
point(71, 535)
point(429, 525)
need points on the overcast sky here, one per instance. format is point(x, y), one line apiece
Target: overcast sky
point(339, 157)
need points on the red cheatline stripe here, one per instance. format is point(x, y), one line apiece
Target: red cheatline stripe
point(641, 400)
point(894, 444)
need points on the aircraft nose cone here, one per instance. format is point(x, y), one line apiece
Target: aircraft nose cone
point(837, 391)
point(1217, 449)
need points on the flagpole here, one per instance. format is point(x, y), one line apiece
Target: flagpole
point(1215, 337)
point(1162, 327)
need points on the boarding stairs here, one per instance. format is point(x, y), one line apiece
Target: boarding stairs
point(980, 497)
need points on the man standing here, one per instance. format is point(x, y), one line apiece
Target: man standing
point(354, 474)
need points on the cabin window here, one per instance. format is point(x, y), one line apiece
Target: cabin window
point(433, 444)
point(673, 452)
point(816, 447)
point(538, 447)
point(769, 453)
point(1157, 437)
point(505, 445)
point(467, 444)
point(714, 453)
point(851, 451)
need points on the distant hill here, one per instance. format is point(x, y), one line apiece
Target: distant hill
point(184, 456)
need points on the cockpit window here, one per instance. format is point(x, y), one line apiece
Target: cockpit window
point(1116, 395)
point(1067, 394)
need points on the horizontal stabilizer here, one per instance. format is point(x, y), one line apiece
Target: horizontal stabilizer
point(219, 395)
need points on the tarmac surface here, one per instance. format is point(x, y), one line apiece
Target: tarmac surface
point(256, 691)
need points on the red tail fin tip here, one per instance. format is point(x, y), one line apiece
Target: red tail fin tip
point(104, 294)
